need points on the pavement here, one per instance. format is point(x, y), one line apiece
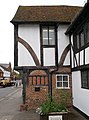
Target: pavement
point(32, 115)
point(14, 112)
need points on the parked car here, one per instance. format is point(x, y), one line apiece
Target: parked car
point(5, 82)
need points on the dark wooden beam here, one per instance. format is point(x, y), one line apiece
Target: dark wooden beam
point(15, 45)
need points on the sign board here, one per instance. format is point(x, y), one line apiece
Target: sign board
point(56, 117)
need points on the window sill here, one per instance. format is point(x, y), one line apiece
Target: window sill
point(63, 88)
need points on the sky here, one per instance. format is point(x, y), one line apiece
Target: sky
point(7, 11)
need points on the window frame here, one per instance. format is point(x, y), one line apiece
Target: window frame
point(77, 36)
point(55, 46)
point(62, 75)
point(48, 28)
point(87, 76)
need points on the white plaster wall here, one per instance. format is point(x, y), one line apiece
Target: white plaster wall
point(67, 59)
point(87, 55)
point(24, 58)
point(63, 41)
point(31, 34)
point(80, 96)
point(81, 57)
point(49, 56)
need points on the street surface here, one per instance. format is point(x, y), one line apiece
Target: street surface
point(10, 101)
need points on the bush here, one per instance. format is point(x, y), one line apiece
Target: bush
point(50, 106)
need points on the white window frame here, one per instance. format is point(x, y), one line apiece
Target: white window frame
point(62, 81)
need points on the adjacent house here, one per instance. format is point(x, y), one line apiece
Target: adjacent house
point(42, 51)
point(78, 32)
point(5, 70)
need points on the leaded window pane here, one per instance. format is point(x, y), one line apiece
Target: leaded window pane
point(87, 32)
point(88, 80)
point(84, 78)
point(78, 41)
point(82, 38)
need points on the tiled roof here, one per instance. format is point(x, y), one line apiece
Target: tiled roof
point(5, 66)
point(45, 14)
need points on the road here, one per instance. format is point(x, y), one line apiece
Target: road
point(10, 101)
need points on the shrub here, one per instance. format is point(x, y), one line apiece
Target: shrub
point(50, 106)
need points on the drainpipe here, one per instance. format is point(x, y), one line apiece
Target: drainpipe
point(50, 80)
point(50, 85)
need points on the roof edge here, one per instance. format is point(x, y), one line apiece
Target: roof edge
point(76, 19)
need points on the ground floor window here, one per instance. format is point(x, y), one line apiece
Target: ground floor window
point(85, 79)
point(62, 81)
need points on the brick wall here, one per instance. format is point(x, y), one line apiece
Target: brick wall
point(57, 93)
point(35, 98)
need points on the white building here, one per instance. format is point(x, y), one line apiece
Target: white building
point(79, 37)
point(5, 70)
point(42, 50)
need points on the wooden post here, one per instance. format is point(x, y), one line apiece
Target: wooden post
point(24, 80)
point(16, 45)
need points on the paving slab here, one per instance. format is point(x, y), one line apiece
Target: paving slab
point(32, 115)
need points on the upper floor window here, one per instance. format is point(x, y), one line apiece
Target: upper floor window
point(48, 35)
point(49, 50)
point(81, 37)
point(87, 32)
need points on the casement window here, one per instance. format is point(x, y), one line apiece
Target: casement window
point(77, 42)
point(85, 79)
point(87, 32)
point(48, 35)
point(49, 55)
point(62, 81)
point(81, 38)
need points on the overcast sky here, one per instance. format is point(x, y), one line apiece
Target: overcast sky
point(7, 11)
